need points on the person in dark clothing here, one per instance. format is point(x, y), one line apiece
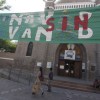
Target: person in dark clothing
point(50, 77)
point(40, 74)
point(96, 83)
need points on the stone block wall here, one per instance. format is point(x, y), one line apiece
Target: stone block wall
point(6, 59)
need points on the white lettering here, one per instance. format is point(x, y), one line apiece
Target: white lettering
point(89, 30)
point(29, 19)
point(90, 33)
point(42, 17)
point(83, 13)
point(27, 33)
point(40, 31)
point(18, 19)
point(12, 31)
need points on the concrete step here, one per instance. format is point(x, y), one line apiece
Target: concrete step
point(73, 85)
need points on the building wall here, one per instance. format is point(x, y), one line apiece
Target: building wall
point(45, 52)
point(7, 54)
point(6, 59)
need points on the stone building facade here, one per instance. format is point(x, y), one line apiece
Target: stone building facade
point(85, 65)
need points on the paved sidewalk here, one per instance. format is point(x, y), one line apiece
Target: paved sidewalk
point(10, 90)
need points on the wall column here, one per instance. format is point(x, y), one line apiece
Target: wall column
point(97, 69)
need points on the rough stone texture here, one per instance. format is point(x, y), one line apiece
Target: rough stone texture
point(5, 63)
point(97, 72)
point(91, 60)
point(21, 49)
point(7, 54)
point(45, 52)
point(6, 59)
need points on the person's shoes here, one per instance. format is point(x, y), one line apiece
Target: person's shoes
point(33, 93)
point(42, 93)
point(49, 90)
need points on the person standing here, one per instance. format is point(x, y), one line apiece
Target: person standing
point(96, 83)
point(40, 74)
point(50, 77)
point(38, 83)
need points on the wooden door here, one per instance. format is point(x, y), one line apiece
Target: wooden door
point(78, 69)
point(61, 71)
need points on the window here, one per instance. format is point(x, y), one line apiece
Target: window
point(29, 49)
point(93, 67)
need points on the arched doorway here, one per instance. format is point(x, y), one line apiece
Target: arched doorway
point(70, 59)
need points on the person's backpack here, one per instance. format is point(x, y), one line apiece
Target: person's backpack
point(51, 75)
point(41, 78)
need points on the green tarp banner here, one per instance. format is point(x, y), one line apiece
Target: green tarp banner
point(67, 26)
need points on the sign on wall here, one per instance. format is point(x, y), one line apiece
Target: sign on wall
point(49, 64)
point(69, 54)
point(71, 26)
point(83, 66)
point(39, 64)
point(61, 66)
